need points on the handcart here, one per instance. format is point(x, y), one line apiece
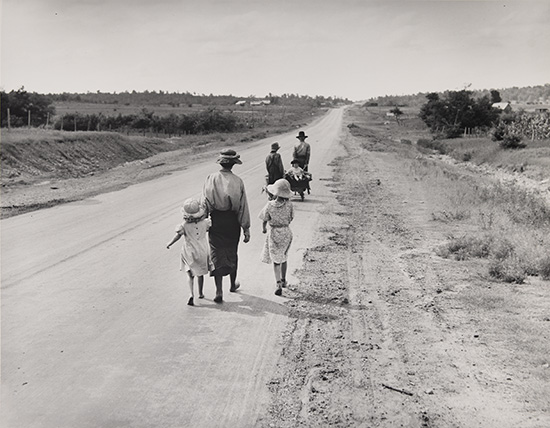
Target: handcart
point(299, 186)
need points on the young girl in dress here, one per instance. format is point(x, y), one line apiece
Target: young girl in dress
point(195, 259)
point(278, 213)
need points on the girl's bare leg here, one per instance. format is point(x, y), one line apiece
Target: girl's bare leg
point(190, 280)
point(200, 280)
point(283, 273)
point(277, 270)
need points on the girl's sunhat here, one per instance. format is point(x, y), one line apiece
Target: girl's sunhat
point(280, 188)
point(192, 209)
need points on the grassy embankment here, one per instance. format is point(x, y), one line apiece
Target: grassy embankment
point(509, 226)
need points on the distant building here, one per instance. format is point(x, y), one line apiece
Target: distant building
point(504, 106)
point(240, 103)
point(260, 103)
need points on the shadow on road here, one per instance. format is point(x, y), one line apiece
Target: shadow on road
point(250, 305)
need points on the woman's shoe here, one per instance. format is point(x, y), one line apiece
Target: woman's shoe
point(190, 302)
point(218, 299)
point(201, 296)
point(235, 287)
point(283, 283)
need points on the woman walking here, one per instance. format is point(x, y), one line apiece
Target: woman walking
point(195, 260)
point(225, 199)
point(278, 214)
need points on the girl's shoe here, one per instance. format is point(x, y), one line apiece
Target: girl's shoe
point(283, 283)
point(190, 302)
point(218, 299)
point(279, 289)
point(201, 296)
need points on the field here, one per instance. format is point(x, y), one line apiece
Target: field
point(277, 115)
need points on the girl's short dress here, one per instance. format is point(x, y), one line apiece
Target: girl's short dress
point(195, 255)
point(279, 236)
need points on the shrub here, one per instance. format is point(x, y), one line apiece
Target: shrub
point(436, 145)
point(512, 141)
point(507, 136)
point(544, 268)
point(509, 269)
point(466, 246)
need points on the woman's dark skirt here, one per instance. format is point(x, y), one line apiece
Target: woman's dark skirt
point(224, 236)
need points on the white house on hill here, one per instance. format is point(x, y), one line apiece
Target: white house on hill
point(504, 106)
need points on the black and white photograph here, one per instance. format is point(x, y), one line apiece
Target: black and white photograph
point(275, 214)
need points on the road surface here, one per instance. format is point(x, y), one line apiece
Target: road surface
point(95, 327)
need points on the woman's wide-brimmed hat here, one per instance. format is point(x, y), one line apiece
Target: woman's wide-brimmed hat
point(275, 146)
point(192, 209)
point(229, 156)
point(280, 188)
point(301, 134)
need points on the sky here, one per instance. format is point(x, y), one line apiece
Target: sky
point(355, 49)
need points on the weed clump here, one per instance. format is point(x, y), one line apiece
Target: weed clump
point(509, 269)
point(465, 247)
point(436, 145)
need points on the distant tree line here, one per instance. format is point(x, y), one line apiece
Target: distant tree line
point(21, 108)
point(25, 108)
point(448, 116)
point(529, 95)
point(177, 99)
point(201, 122)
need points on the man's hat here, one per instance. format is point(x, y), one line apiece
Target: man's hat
point(301, 134)
point(275, 146)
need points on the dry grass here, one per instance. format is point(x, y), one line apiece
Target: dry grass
point(508, 226)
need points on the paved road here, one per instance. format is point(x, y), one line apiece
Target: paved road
point(95, 327)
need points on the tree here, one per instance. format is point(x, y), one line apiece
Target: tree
point(495, 96)
point(22, 105)
point(397, 113)
point(457, 111)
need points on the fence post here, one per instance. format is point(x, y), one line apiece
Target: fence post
point(9, 120)
point(29, 117)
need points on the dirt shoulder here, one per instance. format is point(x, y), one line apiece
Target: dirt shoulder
point(385, 333)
